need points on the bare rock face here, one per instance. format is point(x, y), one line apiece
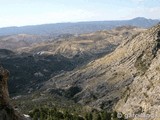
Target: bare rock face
point(6, 110)
point(4, 95)
point(142, 97)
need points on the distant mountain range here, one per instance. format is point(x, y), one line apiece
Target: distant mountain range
point(76, 28)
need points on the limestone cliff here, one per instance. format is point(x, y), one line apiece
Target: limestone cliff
point(143, 95)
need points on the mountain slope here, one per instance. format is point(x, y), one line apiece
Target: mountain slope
point(76, 28)
point(126, 80)
point(143, 94)
point(130, 72)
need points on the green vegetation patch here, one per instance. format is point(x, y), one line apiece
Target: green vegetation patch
point(45, 113)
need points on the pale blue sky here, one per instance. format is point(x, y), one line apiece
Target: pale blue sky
point(32, 12)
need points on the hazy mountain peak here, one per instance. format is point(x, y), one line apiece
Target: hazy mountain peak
point(140, 18)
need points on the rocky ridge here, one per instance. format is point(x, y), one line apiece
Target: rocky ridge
point(127, 78)
point(143, 97)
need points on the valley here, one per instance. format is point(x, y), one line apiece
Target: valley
point(31, 66)
point(84, 76)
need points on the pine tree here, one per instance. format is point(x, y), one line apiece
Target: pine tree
point(89, 116)
point(35, 117)
point(42, 115)
point(98, 117)
point(105, 115)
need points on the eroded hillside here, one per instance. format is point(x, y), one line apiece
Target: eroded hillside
point(85, 44)
point(13, 42)
point(125, 80)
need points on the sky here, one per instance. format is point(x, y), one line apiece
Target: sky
point(33, 12)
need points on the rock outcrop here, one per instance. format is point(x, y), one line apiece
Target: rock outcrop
point(143, 96)
point(126, 80)
point(4, 95)
point(6, 110)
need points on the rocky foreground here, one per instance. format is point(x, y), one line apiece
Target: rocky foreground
point(6, 110)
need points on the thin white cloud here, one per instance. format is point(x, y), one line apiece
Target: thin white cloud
point(138, 1)
point(50, 17)
point(144, 1)
point(70, 15)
